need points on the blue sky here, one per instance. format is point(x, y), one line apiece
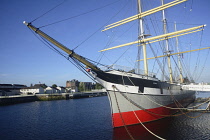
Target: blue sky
point(25, 60)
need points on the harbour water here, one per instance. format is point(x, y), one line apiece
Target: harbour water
point(90, 119)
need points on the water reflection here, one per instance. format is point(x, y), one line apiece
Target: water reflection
point(159, 128)
point(173, 128)
point(188, 126)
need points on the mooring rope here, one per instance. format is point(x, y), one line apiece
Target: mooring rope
point(167, 106)
point(121, 115)
point(135, 104)
point(183, 107)
point(140, 120)
point(155, 103)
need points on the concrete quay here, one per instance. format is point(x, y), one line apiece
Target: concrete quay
point(8, 100)
point(87, 94)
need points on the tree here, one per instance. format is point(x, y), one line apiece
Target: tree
point(98, 86)
point(186, 80)
point(54, 85)
point(81, 86)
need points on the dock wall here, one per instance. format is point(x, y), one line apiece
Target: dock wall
point(7, 100)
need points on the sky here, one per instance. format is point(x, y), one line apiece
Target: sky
point(24, 59)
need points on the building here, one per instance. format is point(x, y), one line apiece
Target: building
point(75, 86)
point(197, 87)
point(36, 89)
point(51, 90)
point(10, 89)
point(86, 86)
point(72, 86)
point(61, 89)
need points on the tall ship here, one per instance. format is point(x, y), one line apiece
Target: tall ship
point(138, 96)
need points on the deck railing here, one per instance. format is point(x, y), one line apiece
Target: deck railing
point(126, 69)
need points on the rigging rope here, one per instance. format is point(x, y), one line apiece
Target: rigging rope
point(80, 14)
point(111, 41)
point(177, 103)
point(139, 119)
point(48, 11)
point(155, 27)
point(75, 17)
point(191, 6)
point(159, 63)
point(203, 65)
point(47, 44)
point(176, 65)
point(101, 26)
point(198, 60)
point(187, 71)
point(125, 126)
point(75, 62)
point(160, 104)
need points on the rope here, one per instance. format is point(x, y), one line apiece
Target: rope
point(177, 102)
point(177, 108)
point(155, 103)
point(121, 115)
point(133, 103)
point(198, 56)
point(145, 126)
point(167, 106)
point(111, 41)
point(79, 14)
point(185, 71)
point(140, 120)
point(203, 66)
point(191, 6)
point(82, 69)
point(72, 60)
point(159, 63)
point(48, 11)
point(101, 26)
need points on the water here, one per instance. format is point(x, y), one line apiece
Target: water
point(90, 119)
point(84, 119)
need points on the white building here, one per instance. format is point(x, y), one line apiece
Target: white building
point(36, 89)
point(51, 90)
point(197, 87)
point(61, 89)
point(70, 90)
point(10, 89)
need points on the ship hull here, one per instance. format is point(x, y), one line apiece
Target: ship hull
point(130, 109)
point(135, 99)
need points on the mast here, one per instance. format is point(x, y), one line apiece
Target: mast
point(71, 53)
point(179, 57)
point(167, 44)
point(142, 37)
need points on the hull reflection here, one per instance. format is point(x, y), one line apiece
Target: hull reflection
point(138, 132)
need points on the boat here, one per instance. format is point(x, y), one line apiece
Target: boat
point(136, 97)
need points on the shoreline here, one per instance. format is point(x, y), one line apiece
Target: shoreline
point(10, 100)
